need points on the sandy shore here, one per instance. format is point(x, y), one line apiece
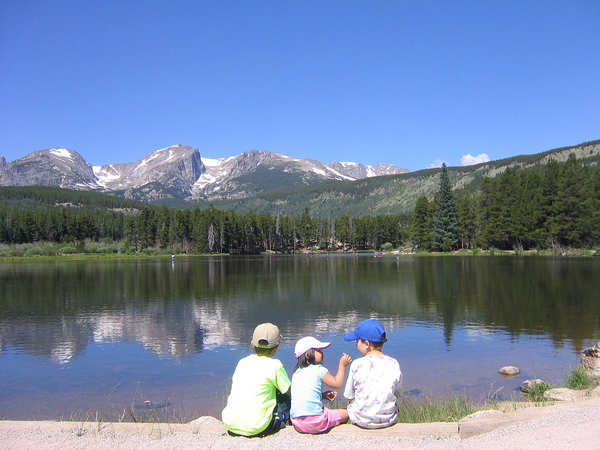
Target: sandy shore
point(562, 426)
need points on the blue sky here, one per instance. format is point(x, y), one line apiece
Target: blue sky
point(406, 83)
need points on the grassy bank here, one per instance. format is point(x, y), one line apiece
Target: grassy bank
point(410, 411)
point(577, 379)
point(84, 249)
point(497, 252)
point(428, 410)
point(105, 248)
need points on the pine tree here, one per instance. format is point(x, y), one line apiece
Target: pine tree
point(550, 188)
point(467, 220)
point(594, 202)
point(445, 224)
point(571, 217)
point(422, 223)
point(164, 221)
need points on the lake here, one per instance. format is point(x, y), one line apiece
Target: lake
point(149, 335)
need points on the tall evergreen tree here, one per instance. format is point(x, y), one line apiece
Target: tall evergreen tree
point(571, 221)
point(445, 224)
point(467, 220)
point(550, 188)
point(422, 223)
point(164, 220)
point(594, 202)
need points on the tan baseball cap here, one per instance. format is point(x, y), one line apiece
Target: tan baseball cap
point(266, 335)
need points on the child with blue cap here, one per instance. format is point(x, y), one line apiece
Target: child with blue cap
point(373, 379)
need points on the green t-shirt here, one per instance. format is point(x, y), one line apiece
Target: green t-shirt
point(252, 400)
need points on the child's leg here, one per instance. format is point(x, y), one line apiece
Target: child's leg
point(281, 414)
point(321, 423)
point(282, 409)
point(343, 413)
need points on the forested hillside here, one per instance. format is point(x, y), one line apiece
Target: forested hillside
point(541, 207)
point(395, 194)
point(545, 206)
point(36, 213)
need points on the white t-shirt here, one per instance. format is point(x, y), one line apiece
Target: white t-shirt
point(371, 385)
point(307, 397)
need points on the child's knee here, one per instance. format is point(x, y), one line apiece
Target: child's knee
point(344, 414)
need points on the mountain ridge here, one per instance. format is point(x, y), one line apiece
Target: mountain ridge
point(177, 172)
point(393, 194)
point(263, 181)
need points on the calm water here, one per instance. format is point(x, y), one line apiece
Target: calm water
point(83, 336)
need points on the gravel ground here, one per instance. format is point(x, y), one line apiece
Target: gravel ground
point(567, 426)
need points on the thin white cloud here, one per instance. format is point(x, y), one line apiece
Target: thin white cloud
point(468, 159)
point(436, 163)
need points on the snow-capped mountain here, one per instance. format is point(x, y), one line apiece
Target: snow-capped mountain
point(180, 172)
point(175, 168)
point(53, 167)
point(222, 176)
point(248, 173)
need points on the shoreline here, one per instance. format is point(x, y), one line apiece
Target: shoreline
point(559, 425)
point(565, 253)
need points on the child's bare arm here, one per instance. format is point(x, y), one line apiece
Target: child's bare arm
point(337, 381)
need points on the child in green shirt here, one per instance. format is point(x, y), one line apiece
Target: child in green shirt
point(259, 402)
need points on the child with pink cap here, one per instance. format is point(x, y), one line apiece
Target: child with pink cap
point(307, 412)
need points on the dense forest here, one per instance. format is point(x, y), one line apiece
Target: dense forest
point(542, 207)
point(556, 205)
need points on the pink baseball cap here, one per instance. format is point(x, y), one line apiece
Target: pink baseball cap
point(308, 342)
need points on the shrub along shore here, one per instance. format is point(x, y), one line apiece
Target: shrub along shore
point(120, 249)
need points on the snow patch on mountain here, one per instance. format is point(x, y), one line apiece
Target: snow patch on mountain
point(61, 153)
point(209, 162)
point(105, 174)
point(336, 173)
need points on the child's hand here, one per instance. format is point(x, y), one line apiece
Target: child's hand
point(345, 359)
point(330, 395)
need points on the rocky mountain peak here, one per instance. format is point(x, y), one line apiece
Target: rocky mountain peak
point(178, 171)
point(51, 167)
point(176, 167)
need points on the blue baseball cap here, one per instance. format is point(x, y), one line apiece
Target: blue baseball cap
point(368, 330)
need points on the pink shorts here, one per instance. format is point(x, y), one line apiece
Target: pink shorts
point(317, 424)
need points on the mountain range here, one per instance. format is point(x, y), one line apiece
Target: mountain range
point(263, 181)
point(179, 172)
point(394, 194)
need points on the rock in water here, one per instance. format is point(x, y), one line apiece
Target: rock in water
point(528, 385)
point(509, 371)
